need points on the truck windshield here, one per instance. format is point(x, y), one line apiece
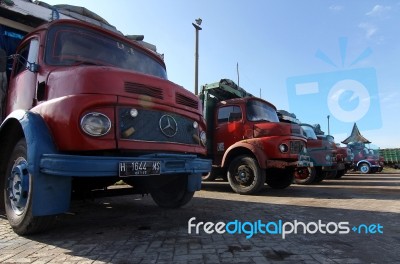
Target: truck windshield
point(69, 45)
point(260, 111)
point(309, 131)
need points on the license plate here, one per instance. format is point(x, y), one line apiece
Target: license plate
point(139, 168)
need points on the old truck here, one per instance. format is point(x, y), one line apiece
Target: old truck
point(346, 157)
point(366, 160)
point(87, 107)
point(246, 142)
point(322, 153)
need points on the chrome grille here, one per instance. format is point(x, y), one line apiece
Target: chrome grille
point(146, 127)
point(296, 147)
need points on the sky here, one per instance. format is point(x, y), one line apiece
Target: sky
point(313, 58)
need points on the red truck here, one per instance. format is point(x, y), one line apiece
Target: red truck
point(246, 142)
point(345, 158)
point(322, 153)
point(365, 160)
point(87, 107)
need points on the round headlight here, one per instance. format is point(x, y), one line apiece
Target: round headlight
point(328, 157)
point(133, 112)
point(203, 138)
point(95, 124)
point(283, 148)
point(195, 125)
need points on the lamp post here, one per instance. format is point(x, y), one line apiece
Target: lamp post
point(196, 63)
point(329, 131)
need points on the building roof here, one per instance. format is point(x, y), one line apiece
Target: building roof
point(355, 136)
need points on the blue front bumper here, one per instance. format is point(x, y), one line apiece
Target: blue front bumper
point(99, 166)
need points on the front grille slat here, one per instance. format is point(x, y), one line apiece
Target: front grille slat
point(296, 147)
point(140, 89)
point(184, 100)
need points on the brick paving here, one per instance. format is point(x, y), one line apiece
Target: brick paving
point(132, 229)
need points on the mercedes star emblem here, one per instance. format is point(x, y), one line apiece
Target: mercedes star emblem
point(168, 125)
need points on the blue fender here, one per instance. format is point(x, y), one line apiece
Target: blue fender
point(50, 194)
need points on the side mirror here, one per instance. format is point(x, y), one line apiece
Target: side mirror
point(33, 67)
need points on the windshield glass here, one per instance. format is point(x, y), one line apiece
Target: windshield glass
point(309, 131)
point(69, 45)
point(260, 111)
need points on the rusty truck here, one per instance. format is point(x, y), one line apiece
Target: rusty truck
point(246, 141)
point(87, 107)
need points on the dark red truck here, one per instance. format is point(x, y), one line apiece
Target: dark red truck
point(246, 141)
point(87, 107)
point(322, 153)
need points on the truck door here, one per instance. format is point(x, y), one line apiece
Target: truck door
point(22, 87)
point(228, 129)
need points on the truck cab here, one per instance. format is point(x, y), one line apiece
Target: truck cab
point(322, 152)
point(87, 107)
point(246, 142)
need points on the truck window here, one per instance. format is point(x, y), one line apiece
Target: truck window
point(229, 113)
point(69, 45)
point(309, 131)
point(27, 54)
point(260, 111)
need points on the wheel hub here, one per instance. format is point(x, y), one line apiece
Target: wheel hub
point(18, 186)
point(244, 175)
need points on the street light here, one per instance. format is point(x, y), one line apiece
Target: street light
point(329, 132)
point(196, 63)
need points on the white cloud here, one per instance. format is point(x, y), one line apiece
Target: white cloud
point(378, 11)
point(336, 7)
point(369, 29)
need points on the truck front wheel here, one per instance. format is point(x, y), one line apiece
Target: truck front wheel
point(173, 194)
point(18, 194)
point(305, 175)
point(245, 175)
point(364, 168)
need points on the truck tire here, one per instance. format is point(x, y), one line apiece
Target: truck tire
point(173, 194)
point(304, 176)
point(18, 195)
point(364, 168)
point(280, 179)
point(245, 175)
point(340, 173)
point(319, 175)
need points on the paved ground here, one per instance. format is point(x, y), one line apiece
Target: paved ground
point(132, 229)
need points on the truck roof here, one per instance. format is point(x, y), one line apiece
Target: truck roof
point(26, 16)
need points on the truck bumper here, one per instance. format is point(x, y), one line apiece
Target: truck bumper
point(304, 161)
point(57, 170)
point(98, 166)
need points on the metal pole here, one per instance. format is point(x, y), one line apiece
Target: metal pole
point(329, 131)
point(196, 64)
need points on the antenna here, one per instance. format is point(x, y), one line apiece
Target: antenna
point(237, 71)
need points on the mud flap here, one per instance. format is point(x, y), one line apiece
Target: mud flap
point(194, 182)
point(51, 194)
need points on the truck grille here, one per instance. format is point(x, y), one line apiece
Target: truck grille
point(157, 126)
point(184, 100)
point(296, 147)
point(140, 89)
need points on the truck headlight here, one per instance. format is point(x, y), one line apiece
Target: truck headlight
point(283, 148)
point(328, 157)
point(95, 124)
point(203, 138)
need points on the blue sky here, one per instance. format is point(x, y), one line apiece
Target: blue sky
point(275, 44)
